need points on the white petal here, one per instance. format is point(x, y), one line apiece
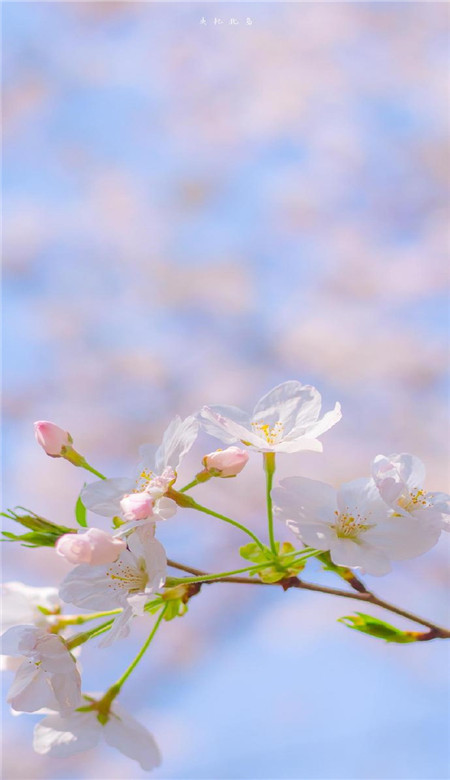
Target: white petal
point(165, 508)
point(61, 737)
point(299, 498)
point(30, 689)
point(325, 423)
point(301, 444)
point(291, 403)
point(361, 497)
point(177, 441)
point(123, 732)
point(402, 538)
point(103, 497)
point(67, 689)
point(119, 629)
point(345, 552)
point(91, 588)
point(20, 604)
point(20, 640)
point(317, 535)
point(146, 546)
point(227, 423)
point(373, 561)
point(54, 655)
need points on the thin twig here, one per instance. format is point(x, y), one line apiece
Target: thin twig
point(295, 582)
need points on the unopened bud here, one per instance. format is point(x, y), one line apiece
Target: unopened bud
point(53, 439)
point(226, 463)
point(137, 506)
point(95, 547)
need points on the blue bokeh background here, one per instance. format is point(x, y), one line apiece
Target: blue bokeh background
point(192, 214)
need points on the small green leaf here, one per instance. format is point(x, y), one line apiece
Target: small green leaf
point(33, 539)
point(80, 513)
point(36, 523)
point(378, 628)
point(252, 552)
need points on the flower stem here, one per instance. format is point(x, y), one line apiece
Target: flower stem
point(269, 468)
point(118, 685)
point(202, 476)
point(87, 467)
point(76, 620)
point(187, 501)
point(307, 553)
point(76, 459)
point(80, 639)
point(435, 632)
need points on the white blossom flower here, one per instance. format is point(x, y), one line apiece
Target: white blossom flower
point(155, 474)
point(353, 523)
point(400, 480)
point(47, 676)
point(128, 582)
point(77, 732)
point(284, 420)
point(20, 605)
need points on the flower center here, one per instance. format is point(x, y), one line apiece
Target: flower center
point(413, 501)
point(272, 435)
point(145, 477)
point(349, 526)
point(122, 577)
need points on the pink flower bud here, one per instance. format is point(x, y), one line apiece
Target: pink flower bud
point(137, 506)
point(226, 463)
point(52, 438)
point(95, 547)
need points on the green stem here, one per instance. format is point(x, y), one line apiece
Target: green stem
point(269, 468)
point(80, 639)
point(202, 476)
point(76, 459)
point(118, 685)
point(223, 574)
point(76, 620)
point(87, 467)
point(189, 485)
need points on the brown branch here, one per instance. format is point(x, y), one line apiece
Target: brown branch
point(294, 582)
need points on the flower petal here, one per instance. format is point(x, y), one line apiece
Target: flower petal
point(20, 640)
point(129, 736)
point(90, 587)
point(30, 689)
point(119, 629)
point(103, 497)
point(227, 423)
point(291, 404)
point(308, 500)
point(63, 736)
point(177, 441)
point(67, 690)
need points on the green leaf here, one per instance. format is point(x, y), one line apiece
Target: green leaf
point(378, 628)
point(36, 523)
point(34, 539)
point(252, 552)
point(287, 566)
point(80, 513)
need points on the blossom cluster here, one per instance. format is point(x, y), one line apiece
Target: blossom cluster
point(365, 524)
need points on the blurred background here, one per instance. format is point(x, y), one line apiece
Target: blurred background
point(194, 213)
